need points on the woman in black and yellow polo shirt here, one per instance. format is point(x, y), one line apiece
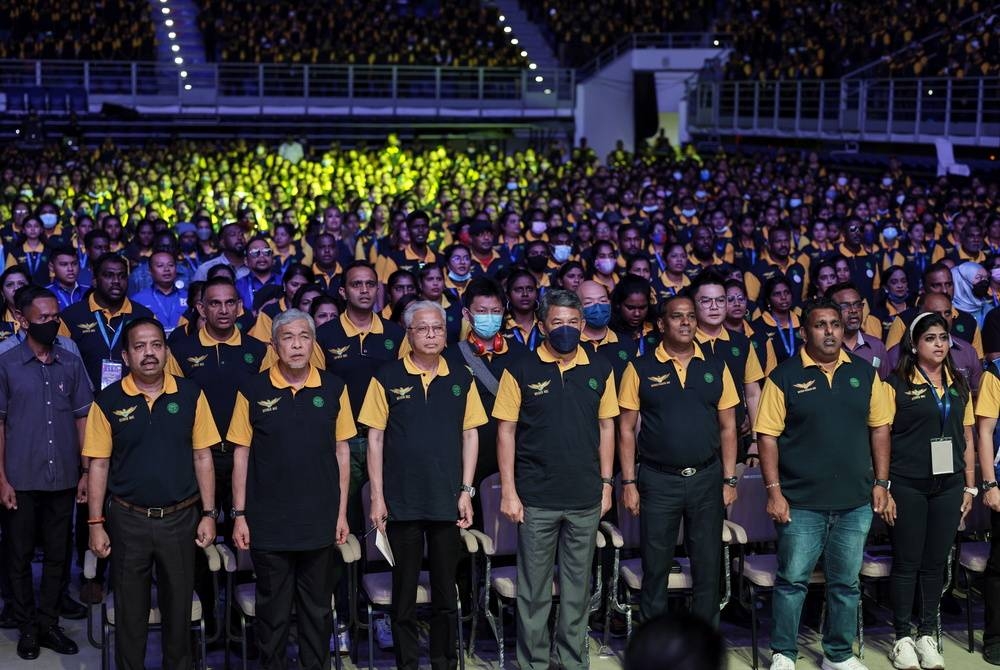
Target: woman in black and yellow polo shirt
point(932, 472)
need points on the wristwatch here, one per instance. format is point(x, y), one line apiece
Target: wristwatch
point(971, 490)
point(213, 513)
point(471, 490)
point(237, 512)
point(884, 483)
point(986, 486)
point(608, 480)
point(731, 481)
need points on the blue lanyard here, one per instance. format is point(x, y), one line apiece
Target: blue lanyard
point(65, 297)
point(81, 255)
point(169, 313)
point(33, 263)
point(642, 345)
point(789, 344)
point(660, 262)
point(532, 337)
point(104, 331)
point(943, 403)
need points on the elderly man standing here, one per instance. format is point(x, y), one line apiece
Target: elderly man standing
point(290, 426)
point(555, 446)
point(422, 413)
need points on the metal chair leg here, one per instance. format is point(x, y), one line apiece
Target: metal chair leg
point(753, 627)
point(371, 638)
point(498, 631)
point(461, 633)
point(968, 609)
point(204, 645)
point(243, 639)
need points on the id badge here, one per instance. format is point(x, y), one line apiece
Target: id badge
point(111, 372)
point(942, 456)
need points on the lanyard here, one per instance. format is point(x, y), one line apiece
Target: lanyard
point(532, 337)
point(34, 261)
point(660, 262)
point(789, 344)
point(642, 345)
point(111, 342)
point(943, 402)
point(167, 311)
point(81, 255)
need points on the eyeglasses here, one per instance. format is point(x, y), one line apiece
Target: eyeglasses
point(424, 331)
point(708, 302)
point(854, 229)
point(363, 283)
point(852, 306)
point(254, 253)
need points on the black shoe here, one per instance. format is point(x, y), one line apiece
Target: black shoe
point(7, 621)
point(27, 646)
point(55, 639)
point(70, 609)
point(991, 654)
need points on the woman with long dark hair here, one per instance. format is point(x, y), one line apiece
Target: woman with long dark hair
point(12, 279)
point(932, 475)
point(893, 298)
point(521, 324)
point(630, 315)
point(777, 322)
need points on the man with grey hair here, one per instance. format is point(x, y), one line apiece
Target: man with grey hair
point(422, 412)
point(555, 447)
point(290, 429)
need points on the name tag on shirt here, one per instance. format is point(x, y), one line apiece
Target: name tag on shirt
point(111, 371)
point(942, 458)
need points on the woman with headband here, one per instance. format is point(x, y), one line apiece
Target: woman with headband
point(931, 481)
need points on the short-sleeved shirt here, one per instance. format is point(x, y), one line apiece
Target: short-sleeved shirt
point(679, 406)
point(83, 324)
point(423, 415)
point(557, 408)
point(872, 350)
point(917, 420)
point(219, 368)
point(39, 405)
point(988, 399)
point(740, 356)
point(293, 478)
point(168, 308)
point(821, 422)
point(150, 442)
point(618, 352)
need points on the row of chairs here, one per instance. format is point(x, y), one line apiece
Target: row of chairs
point(22, 99)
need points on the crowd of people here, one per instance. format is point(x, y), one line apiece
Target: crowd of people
point(75, 30)
point(294, 325)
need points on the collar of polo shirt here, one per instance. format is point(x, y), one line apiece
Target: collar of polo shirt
point(808, 362)
point(206, 340)
point(918, 379)
point(792, 316)
point(129, 387)
point(279, 382)
point(581, 358)
point(126, 307)
point(610, 337)
point(353, 331)
point(411, 367)
point(702, 336)
point(663, 356)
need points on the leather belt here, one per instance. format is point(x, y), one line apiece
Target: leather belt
point(157, 512)
point(683, 472)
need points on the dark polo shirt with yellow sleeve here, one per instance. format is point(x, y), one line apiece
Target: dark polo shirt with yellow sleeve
point(293, 478)
point(557, 409)
point(679, 406)
point(740, 356)
point(988, 399)
point(93, 329)
point(617, 351)
point(150, 443)
point(821, 422)
point(423, 415)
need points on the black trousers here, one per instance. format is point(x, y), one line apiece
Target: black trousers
point(407, 541)
point(928, 512)
point(665, 499)
point(137, 545)
point(52, 511)
point(305, 579)
point(991, 586)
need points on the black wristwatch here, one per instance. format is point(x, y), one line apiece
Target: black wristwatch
point(237, 512)
point(213, 513)
point(608, 480)
point(986, 486)
point(884, 483)
point(731, 481)
point(471, 490)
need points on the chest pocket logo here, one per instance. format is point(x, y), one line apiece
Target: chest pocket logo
point(660, 380)
point(339, 352)
point(402, 393)
point(806, 387)
point(269, 405)
point(126, 414)
point(917, 394)
point(88, 328)
point(540, 388)
point(197, 361)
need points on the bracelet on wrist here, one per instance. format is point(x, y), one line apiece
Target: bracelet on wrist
point(84, 471)
point(772, 485)
point(626, 482)
point(95, 522)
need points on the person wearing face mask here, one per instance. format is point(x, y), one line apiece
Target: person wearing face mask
point(458, 264)
point(893, 298)
point(187, 239)
point(40, 473)
point(538, 227)
point(605, 264)
point(972, 290)
point(560, 247)
point(555, 414)
point(596, 335)
point(536, 260)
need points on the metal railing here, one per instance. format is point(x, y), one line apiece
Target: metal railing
point(222, 84)
point(903, 110)
point(654, 41)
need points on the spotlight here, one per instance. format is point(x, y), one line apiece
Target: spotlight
point(506, 29)
point(532, 66)
point(172, 35)
point(175, 48)
point(165, 10)
point(187, 87)
point(179, 60)
point(539, 79)
point(514, 41)
point(502, 18)
point(184, 74)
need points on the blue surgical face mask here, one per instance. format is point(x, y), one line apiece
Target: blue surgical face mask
point(204, 234)
point(486, 326)
point(561, 252)
point(890, 233)
point(689, 212)
point(795, 202)
point(649, 209)
point(459, 278)
point(564, 339)
point(597, 315)
point(705, 175)
point(48, 220)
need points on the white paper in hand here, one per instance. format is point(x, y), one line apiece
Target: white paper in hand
point(382, 544)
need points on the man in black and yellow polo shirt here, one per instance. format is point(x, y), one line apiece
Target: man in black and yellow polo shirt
point(823, 436)
point(422, 413)
point(555, 447)
point(687, 403)
point(290, 426)
point(96, 324)
point(148, 439)
point(987, 411)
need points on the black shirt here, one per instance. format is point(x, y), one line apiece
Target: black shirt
point(80, 323)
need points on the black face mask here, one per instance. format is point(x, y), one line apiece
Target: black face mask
point(44, 333)
point(564, 339)
point(537, 263)
point(981, 289)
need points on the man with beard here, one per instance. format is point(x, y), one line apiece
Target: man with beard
point(702, 254)
point(233, 242)
point(777, 261)
point(416, 255)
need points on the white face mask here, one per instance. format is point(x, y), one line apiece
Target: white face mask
point(539, 227)
point(561, 252)
point(842, 181)
point(689, 212)
point(605, 265)
point(49, 220)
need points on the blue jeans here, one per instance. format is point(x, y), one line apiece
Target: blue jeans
point(839, 536)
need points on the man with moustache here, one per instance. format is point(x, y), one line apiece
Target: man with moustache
point(865, 346)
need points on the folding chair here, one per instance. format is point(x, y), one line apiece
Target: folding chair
point(243, 597)
point(155, 620)
point(376, 588)
point(972, 559)
point(627, 572)
point(499, 541)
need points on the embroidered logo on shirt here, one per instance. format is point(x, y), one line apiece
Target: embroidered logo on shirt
point(197, 361)
point(269, 405)
point(953, 392)
point(88, 328)
point(917, 394)
point(592, 383)
point(806, 387)
point(125, 414)
point(854, 382)
point(173, 408)
point(709, 378)
point(403, 392)
point(249, 358)
point(623, 355)
point(339, 352)
point(540, 388)
point(390, 345)
point(660, 380)
point(318, 401)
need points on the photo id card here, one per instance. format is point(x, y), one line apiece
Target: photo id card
point(111, 371)
point(942, 456)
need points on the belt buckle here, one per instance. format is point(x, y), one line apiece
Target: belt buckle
point(687, 472)
point(154, 513)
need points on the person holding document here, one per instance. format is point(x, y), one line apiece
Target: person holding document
point(422, 412)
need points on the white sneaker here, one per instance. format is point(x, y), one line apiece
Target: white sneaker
point(383, 633)
point(781, 662)
point(904, 655)
point(927, 652)
point(852, 663)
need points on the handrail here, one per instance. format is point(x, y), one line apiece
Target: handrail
point(653, 41)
